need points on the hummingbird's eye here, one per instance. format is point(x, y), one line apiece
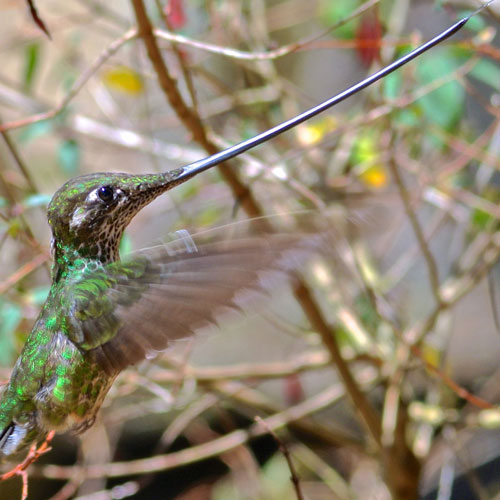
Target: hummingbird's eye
point(106, 194)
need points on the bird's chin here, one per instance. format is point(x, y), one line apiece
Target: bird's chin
point(16, 438)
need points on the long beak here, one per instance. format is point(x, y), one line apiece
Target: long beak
point(180, 175)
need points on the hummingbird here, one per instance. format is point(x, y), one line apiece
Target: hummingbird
point(103, 314)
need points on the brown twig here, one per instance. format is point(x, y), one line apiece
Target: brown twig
point(33, 455)
point(19, 161)
point(188, 117)
point(460, 391)
point(419, 234)
point(36, 17)
point(267, 55)
point(28, 233)
point(199, 452)
point(303, 362)
point(294, 477)
point(68, 490)
point(246, 396)
point(368, 415)
point(23, 271)
point(180, 59)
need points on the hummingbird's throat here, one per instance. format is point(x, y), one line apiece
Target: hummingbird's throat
point(102, 248)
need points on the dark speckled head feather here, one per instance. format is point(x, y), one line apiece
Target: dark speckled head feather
point(88, 214)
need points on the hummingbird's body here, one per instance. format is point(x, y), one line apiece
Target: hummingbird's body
point(103, 314)
point(56, 382)
point(53, 384)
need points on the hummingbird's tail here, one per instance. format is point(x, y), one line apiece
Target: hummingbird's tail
point(15, 438)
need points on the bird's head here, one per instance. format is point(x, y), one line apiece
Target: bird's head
point(88, 214)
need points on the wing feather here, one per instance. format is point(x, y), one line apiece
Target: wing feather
point(128, 309)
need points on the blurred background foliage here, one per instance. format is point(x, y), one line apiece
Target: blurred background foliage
point(403, 177)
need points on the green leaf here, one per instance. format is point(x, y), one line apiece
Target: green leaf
point(31, 52)
point(445, 105)
point(208, 217)
point(481, 220)
point(475, 23)
point(273, 482)
point(409, 117)
point(14, 227)
point(39, 295)
point(276, 478)
point(332, 12)
point(68, 156)
point(36, 200)
point(366, 147)
point(188, 190)
point(487, 72)
point(36, 130)
point(392, 85)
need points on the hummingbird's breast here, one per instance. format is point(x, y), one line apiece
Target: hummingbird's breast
point(54, 382)
point(74, 388)
point(54, 385)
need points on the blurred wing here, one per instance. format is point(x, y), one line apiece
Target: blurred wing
point(129, 309)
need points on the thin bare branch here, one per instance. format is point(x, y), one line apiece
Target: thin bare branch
point(76, 87)
point(294, 477)
point(23, 271)
point(36, 17)
point(419, 234)
point(199, 452)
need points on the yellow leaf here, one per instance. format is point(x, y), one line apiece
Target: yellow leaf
point(486, 35)
point(431, 355)
point(124, 80)
point(374, 176)
point(490, 418)
point(311, 133)
point(428, 413)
